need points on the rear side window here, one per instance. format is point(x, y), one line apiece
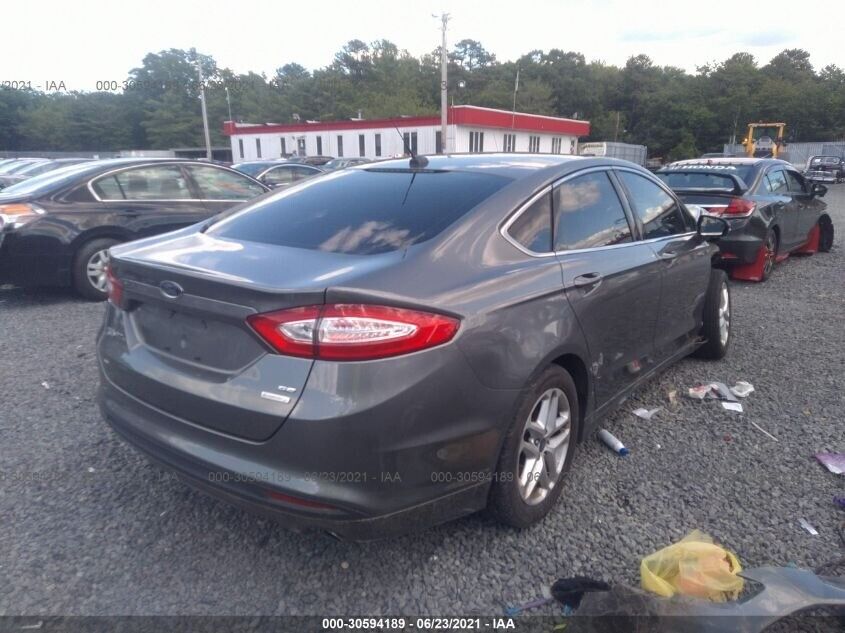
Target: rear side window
point(659, 213)
point(588, 214)
point(161, 182)
point(362, 212)
point(220, 184)
point(533, 227)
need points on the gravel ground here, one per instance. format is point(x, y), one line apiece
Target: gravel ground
point(89, 527)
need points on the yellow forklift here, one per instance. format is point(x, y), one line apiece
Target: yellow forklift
point(764, 140)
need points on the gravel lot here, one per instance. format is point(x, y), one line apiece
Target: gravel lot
point(89, 527)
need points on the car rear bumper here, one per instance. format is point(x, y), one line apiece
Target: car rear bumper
point(361, 468)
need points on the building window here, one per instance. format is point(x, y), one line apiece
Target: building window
point(258, 147)
point(534, 144)
point(339, 146)
point(438, 142)
point(362, 147)
point(572, 146)
point(510, 143)
point(284, 147)
point(556, 145)
point(476, 142)
point(378, 144)
point(319, 146)
point(241, 147)
point(410, 141)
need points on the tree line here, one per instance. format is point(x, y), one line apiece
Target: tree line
point(675, 113)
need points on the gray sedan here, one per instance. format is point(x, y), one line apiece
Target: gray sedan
point(394, 345)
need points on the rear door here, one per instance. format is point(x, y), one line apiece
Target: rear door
point(669, 230)
point(220, 188)
point(784, 208)
point(611, 280)
point(149, 199)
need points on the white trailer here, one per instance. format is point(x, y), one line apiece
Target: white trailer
point(625, 151)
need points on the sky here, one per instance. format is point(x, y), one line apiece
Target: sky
point(76, 44)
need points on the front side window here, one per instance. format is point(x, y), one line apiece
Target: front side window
point(776, 182)
point(301, 173)
point(362, 212)
point(533, 227)
point(588, 214)
point(795, 182)
point(161, 182)
point(660, 213)
point(221, 184)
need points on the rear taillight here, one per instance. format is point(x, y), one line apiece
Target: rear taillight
point(352, 331)
point(114, 287)
point(737, 208)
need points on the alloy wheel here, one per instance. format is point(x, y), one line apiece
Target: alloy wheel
point(544, 446)
point(95, 270)
point(771, 253)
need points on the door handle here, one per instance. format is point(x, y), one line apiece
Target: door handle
point(587, 280)
point(667, 257)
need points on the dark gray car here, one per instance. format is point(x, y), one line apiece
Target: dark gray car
point(395, 345)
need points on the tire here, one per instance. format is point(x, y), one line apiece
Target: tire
point(770, 245)
point(89, 255)
point(716, 328)
point(825, 234)
point(510, 501)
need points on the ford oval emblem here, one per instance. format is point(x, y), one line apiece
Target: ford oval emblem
point(170, 289)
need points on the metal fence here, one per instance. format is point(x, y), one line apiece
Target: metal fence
point(799, 153)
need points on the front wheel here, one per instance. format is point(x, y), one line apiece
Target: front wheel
point(537, 451)
point(716, 328)
point(89, 268)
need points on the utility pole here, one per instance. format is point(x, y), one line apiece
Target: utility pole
point(228, 102)
point(616, 132)
point(444, 103)
point(515, 90)
point(204, 112)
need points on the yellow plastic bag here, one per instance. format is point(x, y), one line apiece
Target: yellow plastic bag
point(694, 566)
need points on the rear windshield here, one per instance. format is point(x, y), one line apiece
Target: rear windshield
point(362, 212)
point(713, 177)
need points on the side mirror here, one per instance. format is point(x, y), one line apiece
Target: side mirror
point(711, 228)
point(819, 190)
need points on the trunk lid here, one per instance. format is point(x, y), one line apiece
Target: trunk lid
point(182, 344)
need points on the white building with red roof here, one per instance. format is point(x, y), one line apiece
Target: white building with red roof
point(470, 129)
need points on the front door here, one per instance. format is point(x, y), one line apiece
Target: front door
point(611, 280)
point(669, 230)
point(784, 208)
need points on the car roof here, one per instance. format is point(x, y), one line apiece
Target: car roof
point(728, 160)
point(511, 165)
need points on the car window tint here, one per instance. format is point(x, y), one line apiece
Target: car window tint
point(776, 182)
point(588, 214)
point(533, 227)
point(795, 182)
point(301, 173)
point(108, 189)
point(278, 176)
point(362, 211)
point(221, 184)
point(659, 213)
point(161, 182)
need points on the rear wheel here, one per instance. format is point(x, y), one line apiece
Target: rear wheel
point(537, 451)
point(716, 327)
point(89, 268)
point(770, 252)
point(825, 234)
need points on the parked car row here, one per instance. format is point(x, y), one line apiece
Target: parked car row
point(446, 329)
point(772, 210)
